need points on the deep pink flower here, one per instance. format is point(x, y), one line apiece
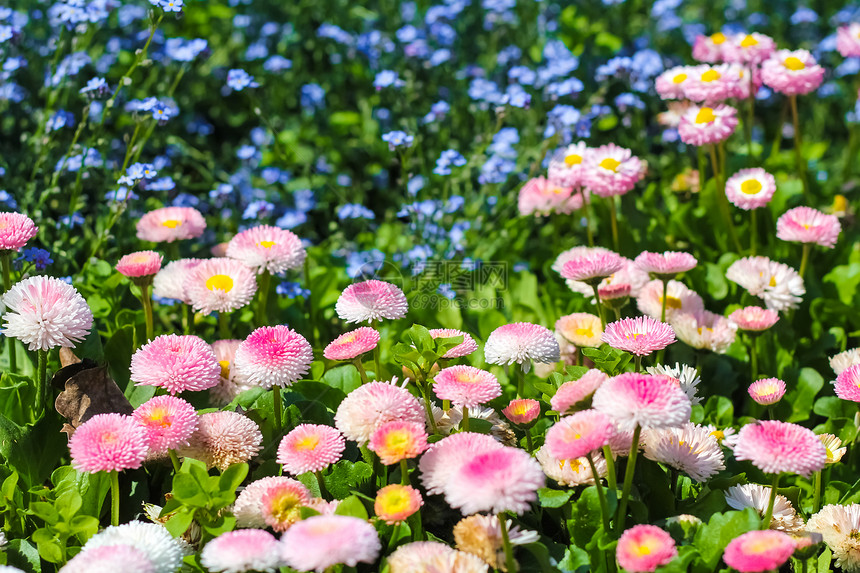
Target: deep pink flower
point(108, 443)
point(643, 548)
point(640, 336)
point(522, 411)
point(310, 448)
point(442, 458)
point(352, 344)
point(466, 385)
point(759, 551)
point(168, 422)
point(777, 447)
point(177, 363)
point(578, 435)
point(274, 355)
point(15, 230)
point(139, 264)
point(847, 384)
point(808, 225)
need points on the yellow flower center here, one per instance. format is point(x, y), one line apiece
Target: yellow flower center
point(397, 443)
point(139, 258)
point(520, 409)
point(705, 115)
point(220, 282)
point(672, 302)
point(635, 335)
point(158, 417)
point(840, 203)
point(711, 76)
point(307, 444)
point(573, 159)
point(748, 41)
point(772, 282)
point(394, 501)
point(750, 186)
point(285, 507)
point(642, 550)
point(585, 332)
point(225, 368)
point(718, 434)
point(794, 64)
point(718, 38)
point(171, 223)
point(266, 244)
point(610, 164)
point(679, 78)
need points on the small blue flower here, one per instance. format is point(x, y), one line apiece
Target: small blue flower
point(292, 290)
point(448, 158)
point(40, 257)
point(387, 78)
point(95, 88)
point(446, 290)
point(396, 139)
point(354, 211)
point(238, 79)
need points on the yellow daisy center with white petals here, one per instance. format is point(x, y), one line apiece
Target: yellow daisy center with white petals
point(171, 223)
point(679, 78)
point(705, 115)
point(711, 76)
point(794, 64)
point(749, 41)
point(610, 163)
point(750, 187)
point(220, 282)
point(573, 159)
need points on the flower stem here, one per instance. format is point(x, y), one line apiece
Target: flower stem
point(628, 479)
point(798, 145)
point(44, 391)
point(5, 261)
point(587, 211)
point(722, 200)
point(277, 406)
point(510, 563)
point(665, 294)
point(464, 425)
point(604, 509)
point(223, 325)
point(816, 491)
point(753, 358)
point(765, 522)
point(610, 468)
point(804, 259)
point(114, 498)
point(521, 381)
point(263, 297)
point(360, 367)
point(429, 408)
point(377, 375)
point(404, 472)
point(146, 301)
point(637, 363)
point(599, 307)
point(529, 442)
point(321, 482)
point(186, 319)
point(613, 221)
point(753, 231)
point(174, 459)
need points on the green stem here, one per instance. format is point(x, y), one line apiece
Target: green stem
point(604, 509)
point(174, 459)
point(44, 390)
point(529, 442)
point(754, 357)
point(321, 483)
point(186, 319)
point(613, 221)
point(753, 231)
point(146, 301)
point(377, 375)
point(223, 325)
point(804, 259)
point(599, 307)
point(637, 363)
point(114, 498)
point(722, 200)
point(262, 297)
point(404, 472)
point(360, 367)
point(465, 422)
point(5, 261)
point(610, 468)
point(628, 479)
point(510, 563)
point(665, 294)
point(798, 147)
point(521, 380)
point(816, 491)
point(429, 408)
point(278, 406)
point(765, 522)
point(587, 211)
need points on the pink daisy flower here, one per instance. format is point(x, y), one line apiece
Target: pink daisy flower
point(465, 348)
point(267, 249)
point(44, 312)
point(502, 479)
point(281, 504)
point(808, 225)
point(248, 508)
point(759, 551)
point(442, 458)
point(169, 282)
point(540, 197)
point(104, 559)
point(367, 408)
point(371, 300)
point(679, 300)
point(767, 391)
point(780, 447)
point(612, 170)
point(231, 383)
point(163, 551)
point(310, 448)
point(642, 400)
point(847, 384)
point(466, 386)
point(750, 188)
point(15, 230)
point(396, 440)
point(567, 166)
point(168, 422)
point(709, 84)
point(177, 363)
point(705, 330)
point(792, 72)
point(754, 318)
point(431, 557)
point(223, 439)
point(578, 435)
point(710, 49)
point(570, 472)
point(640, 336)
point(666, 264)
point(779, 285)
point(520, 342)
point(108, 443)
point(274, 355)
point(522, 411)
point(749, 48)
point(242, 551)
point(142, 264)
point(592, 268)
point(707, 125)
point(322, 541)
point(614, 292)
point(848, 40)
point(219, 285)
point(644, 548)
point(170, 224)
point(574, 392)
point(352, 344)
point(670, 84)
point(395, 503)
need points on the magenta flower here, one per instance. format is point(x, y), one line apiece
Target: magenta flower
point(707, 125)
point(847, 384)
point(176, 363)
point(578, 435)
point(759, 551)
point(352, 344)
point(274, 355)
point(780, 447)
point(666, 264)
point(522, 411)
point(808, 225)
point(645, 400)
point(442, 458)
point(640, 336)
point(168, 422)
point(15, 230)
point(142, 264)
point(108, 443)
point(310, 448)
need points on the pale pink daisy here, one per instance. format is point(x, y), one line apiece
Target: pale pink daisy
point(248, 508)
point(522, 411)
point(691, 449)
point(162, 550)
point(570, 472)
point(104, 559)
point(754, 318)
point(395, 503)
point(779, 285)
point(371, 405)
point(267, 249)
point(322, 541)
point(709, 84)
point(808, 225)
point(759, 551)
point(142, 264)
point(705, 330)
point(777, 447)
point(231, 382)
point(433, 557)
point(679, 300)
point(628, 274)
point(592, 268)
point(848, 40)
point(170, 224)
point(580, 328)
point(792, 72)
point(168, 422)
point(540, 197)
point(396, 440)
point(839, 525)
point(241, 551)
point(502, 479)
point(666, 264)
point(644, 548)
point(738, 74)
point(371, 300)
point(575, 253)
point(465, 348)
point(15, 230)
point(352, 344)
point(670, 84)
point(574, 392)
point(520, 342)
point(578, 435)
point(177, 363)
point(108, 443)
point(642, 400)
point(169, 282)
point(566, 167)
point(845, 360)
point(767, 391)
point(442, 458)
point(219, 285)
point(750, 188)
point(44, 312)
point(847, 384)
point(748, 49)
point(611, 170)
point(640, 336)
point(614, 292)
point(310, 448)
point(223, 439)
point(711, 48)
point(784, 516)
point(703, 125)
point(466, 385)
point(274, 355)
point(281, 504)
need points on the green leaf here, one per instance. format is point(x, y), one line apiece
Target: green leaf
point(17, 397)
point(93, 488)
point(50, 549)
point(610, 360)
point(189, 490)
point(23, 554)
point(345, 378)
point(712, 538)
point(346, 476)
point(552, 497)
point(351, 506)
point(180, 521)
point(809, 384)
point(232, 478)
